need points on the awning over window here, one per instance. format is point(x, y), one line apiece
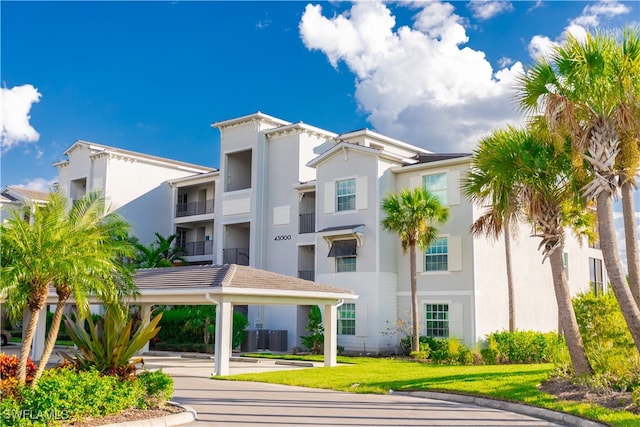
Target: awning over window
point(340, 248)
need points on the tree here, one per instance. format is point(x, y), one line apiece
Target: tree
point(583, 90)
point(57, 248)
point(541, 175)
point(160, 253)
point(410, 214)
point(494, 189)
point(95, 245)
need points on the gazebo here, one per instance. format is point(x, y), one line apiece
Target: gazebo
point(231, 284)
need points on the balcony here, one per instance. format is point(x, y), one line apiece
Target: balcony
point(194, 208)
point(307, 223)
point(307, 274)
point(238, 256)
point(204, 247)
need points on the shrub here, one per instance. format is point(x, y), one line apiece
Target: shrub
point(65, 395)
point(173, 327)
point(314, 341)
point(9, 367)
point(607, 341)
point(158, 388)
point(522, 347)
point(111, 343)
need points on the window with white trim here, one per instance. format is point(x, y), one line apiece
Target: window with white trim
point(437, 255)
point(347, 319)
point(345, 264)
point(346, 195)
point(437, 317)
point(437, 185)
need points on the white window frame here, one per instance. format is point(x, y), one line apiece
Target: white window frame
point(345, 308)
point(351, 196)
point(447, 320)
point(440, 254)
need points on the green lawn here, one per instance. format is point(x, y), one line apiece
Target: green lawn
point(376, 375)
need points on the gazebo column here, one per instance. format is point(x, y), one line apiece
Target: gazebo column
point(224, 330)
point(145, 309)
point(330, 334)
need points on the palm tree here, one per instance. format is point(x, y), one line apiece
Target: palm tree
point(486, 187)
point(160, 253)
point(411, 214)
point(584, 93)
point(95, 245)
point(520, 162)
point(73, 251)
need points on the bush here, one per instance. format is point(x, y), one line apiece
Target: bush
point(9, 367)
point(173, 330)
point(607, 341)
point(522, 347)
point(447, 351)
point(65, 395)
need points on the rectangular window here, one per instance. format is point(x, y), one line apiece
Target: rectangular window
point(437, 256)
point(347, 319)
point(565, 263)
point(346, 195)
point(437, 185)
point(437, 316)
point(596, 276)
point(345, 264)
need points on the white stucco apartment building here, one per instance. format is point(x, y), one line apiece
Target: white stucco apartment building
point(298, 200)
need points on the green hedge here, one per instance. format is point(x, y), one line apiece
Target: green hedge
point(522, 347)
point(64, 395)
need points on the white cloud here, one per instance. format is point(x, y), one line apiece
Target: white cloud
point(591, 17)
point(505, 61)
point(418, 83)
point(39, 184)
point(486, 9)
point(15, 105)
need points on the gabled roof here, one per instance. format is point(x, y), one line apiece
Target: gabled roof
point(382, 138)
point(105, 149)
point(14, 193)
point(343, 145)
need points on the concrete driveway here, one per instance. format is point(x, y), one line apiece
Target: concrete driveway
point(234, 403)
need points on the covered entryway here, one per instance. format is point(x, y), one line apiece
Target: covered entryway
point(231, 284)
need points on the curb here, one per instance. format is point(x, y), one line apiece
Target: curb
point(533, 411)
point(186, 417)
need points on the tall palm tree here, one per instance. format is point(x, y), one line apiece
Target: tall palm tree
point(582, 93)
point(95, 245)
point(496, 191)
point(540, 174)
point(410, 214)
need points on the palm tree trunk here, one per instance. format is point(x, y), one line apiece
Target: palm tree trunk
point(415, 325)
point(27, 340)
point(510, 285)
point(631, 240)
point(567, 316)
point(613, 265)
point(51, 339)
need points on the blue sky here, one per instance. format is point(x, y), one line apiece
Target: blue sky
point(152, 76)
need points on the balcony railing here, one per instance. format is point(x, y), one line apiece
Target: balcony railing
point(307, 274)
point(194, 208)
point(204, 247)
point(238, 256)
point(307, 223)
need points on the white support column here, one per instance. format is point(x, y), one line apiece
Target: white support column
point(37, 346)
point(145, 309)
point(224, 329)
point(330, 335)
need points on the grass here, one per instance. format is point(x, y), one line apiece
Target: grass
point(517, 383)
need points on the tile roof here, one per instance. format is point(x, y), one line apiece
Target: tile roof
point(26, 193)
point(226, 276)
